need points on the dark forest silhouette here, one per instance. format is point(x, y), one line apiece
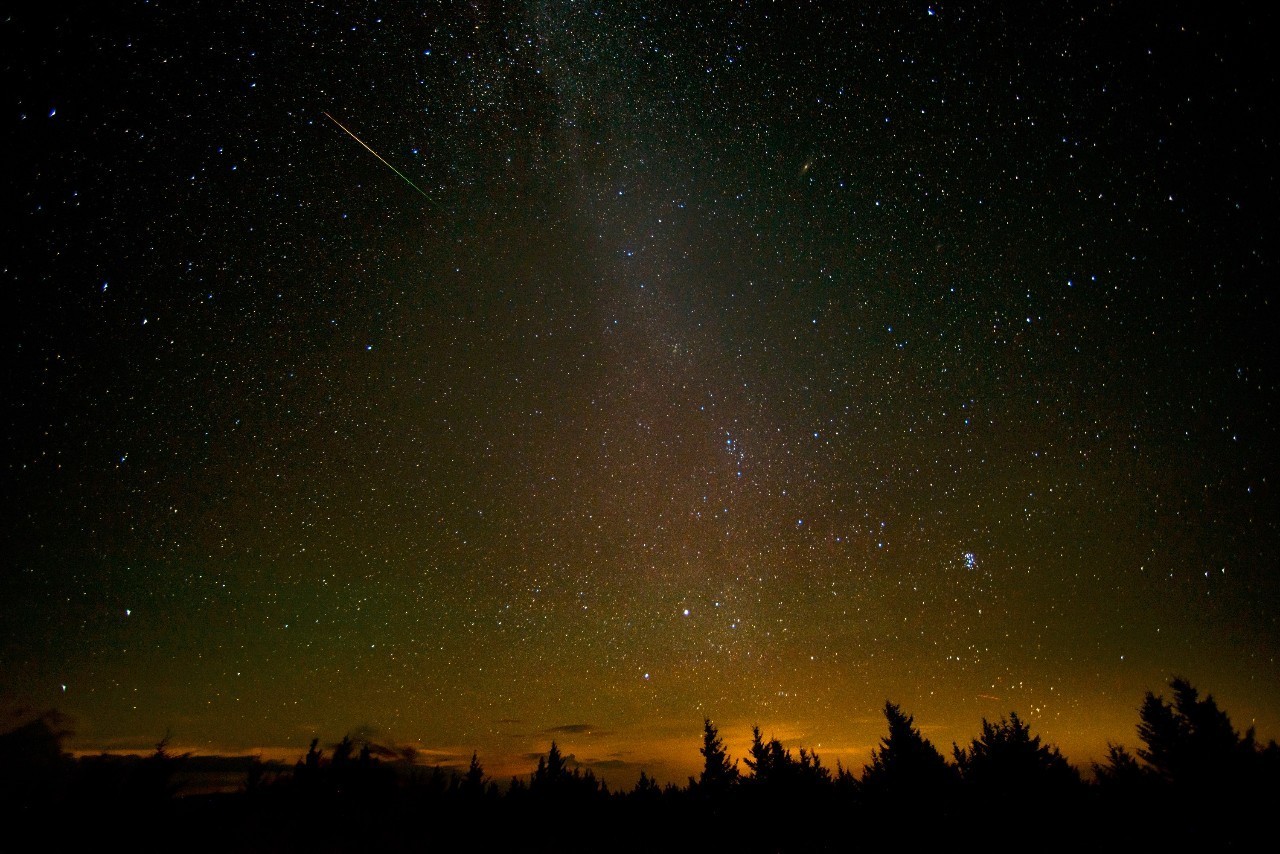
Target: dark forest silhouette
point(1194, 783)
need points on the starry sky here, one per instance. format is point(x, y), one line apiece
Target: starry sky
point(761, 361)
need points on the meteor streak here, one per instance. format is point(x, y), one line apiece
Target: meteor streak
point(375, 154)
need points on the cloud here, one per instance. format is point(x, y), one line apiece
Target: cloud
point(575, 729)
point(383, 752)
point(438, 756)
point(568, 728)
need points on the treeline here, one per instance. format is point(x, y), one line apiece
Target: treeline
point(1193, 782)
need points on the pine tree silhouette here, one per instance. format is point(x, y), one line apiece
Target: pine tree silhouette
point(1008, 758)
point(473, 781)
point(906, 763)
point(313, 755)
point(1191, 741)
point(646, 789)
point(551, 772)
point(769, 762)
point(717, 772)
point(342, 752)
point(1121, 770)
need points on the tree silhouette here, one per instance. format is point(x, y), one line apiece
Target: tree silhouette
point(757, 758)
point(717, 772)
point(473, 781)
point(1190, 741)
point(906, 763)
point(646, 789)
point(33, 766)
point(1200, 774)
point(767, 761)
point(553, 779)
point(152, 779)
point(772, 765)
point(1189, 785)
point(550, 772)
point(810, 771)
point(1121, 769)
point(846, 783)
point(313, 754)
point(1006, 757)
point(342, 752)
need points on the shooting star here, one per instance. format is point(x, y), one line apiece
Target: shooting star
point(375, 154)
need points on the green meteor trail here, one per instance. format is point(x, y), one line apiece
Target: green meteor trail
point(375, 154)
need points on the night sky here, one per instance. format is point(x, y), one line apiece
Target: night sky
point(763, 362)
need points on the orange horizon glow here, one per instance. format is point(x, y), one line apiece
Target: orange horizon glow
point(669, 759)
